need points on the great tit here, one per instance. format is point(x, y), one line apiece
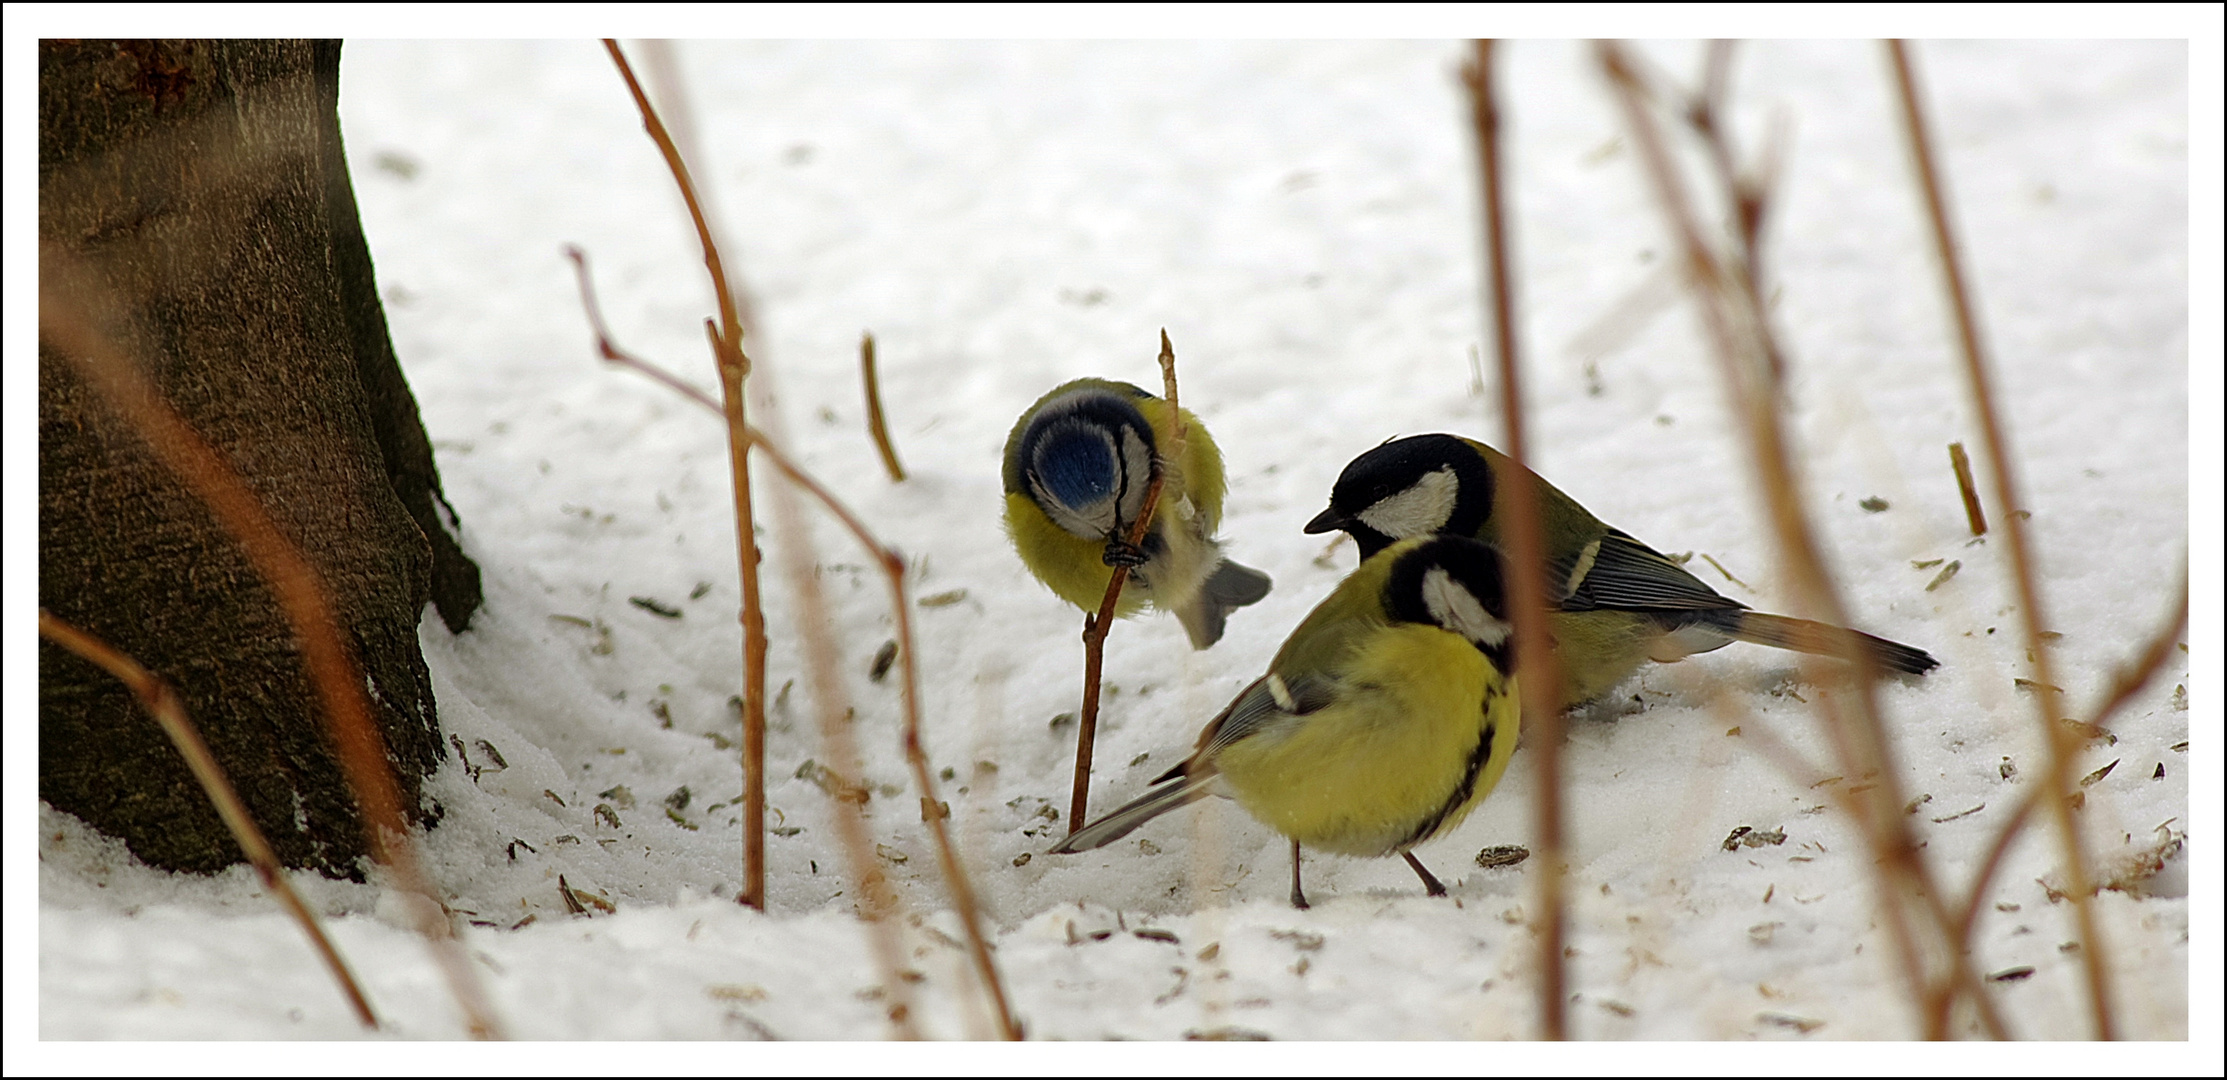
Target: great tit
point(1387, 716)
point(1077, 467)
point(1617, 601)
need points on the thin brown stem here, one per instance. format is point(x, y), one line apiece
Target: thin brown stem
point(2003, 478)
point(2129, 680)
point(161, 702)
point(65, 292)
point(734, 368)
point(876, 901)
point(1961, 464)
point(1096, 626)
point(1538, 676)
point(1178, 431)
point(876, 426)
point(1740, 333)
point(964, 898)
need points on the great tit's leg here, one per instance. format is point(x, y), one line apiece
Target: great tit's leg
point(1120, 552)
point(1430, 884)
point(1298, 899)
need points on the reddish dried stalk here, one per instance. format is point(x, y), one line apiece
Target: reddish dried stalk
point(1739, 330)
point(1538, 676)
point(66, 326)
point(2127, 682)
point(2004, 480)
point(964, 899)
point(161, 702)
point(734, 367)
point(1097, 626)
point(878, 903)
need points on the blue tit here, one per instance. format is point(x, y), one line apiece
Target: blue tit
point(1618, 602)
point(1077, 467)
point(1387, 716)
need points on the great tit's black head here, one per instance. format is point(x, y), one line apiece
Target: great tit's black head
point(1086, 459)
point(1415, 486)
point(1456, 584)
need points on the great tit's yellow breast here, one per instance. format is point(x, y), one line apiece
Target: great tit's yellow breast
point(1390, 754)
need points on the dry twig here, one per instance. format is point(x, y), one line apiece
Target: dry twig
point(828, 690)
point(1961, 464)
point(2005, 483)
point(875, 424)
point(1538, 676)
point(1727, 290)
point(162, 703)
point(734, 367)
point(1097, 625)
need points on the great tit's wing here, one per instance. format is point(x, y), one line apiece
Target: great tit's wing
point(1626, 575)
point(1271, 699)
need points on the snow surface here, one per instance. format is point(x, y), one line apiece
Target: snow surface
point(1300, 217)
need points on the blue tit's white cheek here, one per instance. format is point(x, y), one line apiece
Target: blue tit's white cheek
point(1136, 473)
point(1421, 509)
point(1457, 609)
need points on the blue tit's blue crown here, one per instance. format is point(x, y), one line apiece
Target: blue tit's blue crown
point(1086, 458)
point(1075, 464)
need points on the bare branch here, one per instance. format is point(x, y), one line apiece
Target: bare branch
point(2005, 482)
point(850, 824)
point(162, 703)
point(1538, 678)
point(734, 367)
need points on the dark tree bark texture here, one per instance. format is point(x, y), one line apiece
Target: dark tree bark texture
point(202, 188)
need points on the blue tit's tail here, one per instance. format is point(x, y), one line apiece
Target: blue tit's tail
point(1229, 587)
point(1172, 793)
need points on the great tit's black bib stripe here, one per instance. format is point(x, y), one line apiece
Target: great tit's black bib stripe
point(1474, 767)
point(1418, 589)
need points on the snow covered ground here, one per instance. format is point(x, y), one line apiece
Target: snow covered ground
point(1300, 217)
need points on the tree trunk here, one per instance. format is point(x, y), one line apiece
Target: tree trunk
point(204, 187)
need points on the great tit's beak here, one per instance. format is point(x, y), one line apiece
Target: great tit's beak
point(1326, 521)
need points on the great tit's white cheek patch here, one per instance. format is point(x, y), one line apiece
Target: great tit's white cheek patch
point(1457, 609)
point(1422, 509)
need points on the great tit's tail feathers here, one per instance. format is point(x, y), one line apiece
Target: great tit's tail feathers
point(1801, 635)
point(1229, 587)
point(1152, 804)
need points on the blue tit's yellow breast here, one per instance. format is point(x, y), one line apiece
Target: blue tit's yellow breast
point(1398, 756)
point(1070, 565)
